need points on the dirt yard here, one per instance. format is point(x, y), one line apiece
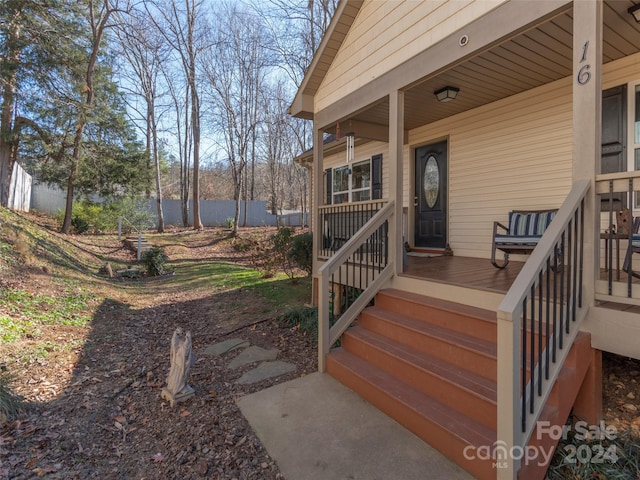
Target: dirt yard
point(94, 391)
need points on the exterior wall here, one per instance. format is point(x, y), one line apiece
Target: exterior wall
point(387, 33)
point(512, 154)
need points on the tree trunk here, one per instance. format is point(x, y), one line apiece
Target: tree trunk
point(97, 31)
point(195, 125)
point(156, 161)
point(9, 81)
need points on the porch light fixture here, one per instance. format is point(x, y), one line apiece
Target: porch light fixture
point(446, 94)
point(635, 11)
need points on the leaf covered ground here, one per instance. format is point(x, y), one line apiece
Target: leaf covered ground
point(90, 354)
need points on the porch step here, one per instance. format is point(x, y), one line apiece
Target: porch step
point(453, 316)
point(437, 378)
point(132, 244)
point(433, 421)
point(460, 349)
point(431, 365)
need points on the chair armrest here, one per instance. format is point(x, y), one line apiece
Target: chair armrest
point(497, 225)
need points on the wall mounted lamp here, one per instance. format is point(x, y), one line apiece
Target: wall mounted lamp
point(446, 94)
point(635, 11)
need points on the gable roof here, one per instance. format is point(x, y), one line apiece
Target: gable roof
point(345, 14)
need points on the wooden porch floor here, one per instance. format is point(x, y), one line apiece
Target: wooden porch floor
point(477, 273)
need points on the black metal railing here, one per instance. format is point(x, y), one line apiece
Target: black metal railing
point(539, 319)
point(340, 222)
point(349, 280)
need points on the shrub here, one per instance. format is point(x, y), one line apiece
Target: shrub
point(79, 224)
point(230, 222)
point(103, 217)
point(281, 241)
point(301, 252)
point(154, 260)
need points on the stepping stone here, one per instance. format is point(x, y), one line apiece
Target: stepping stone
point(226, 346)
point(253, 354)
point(266, 370)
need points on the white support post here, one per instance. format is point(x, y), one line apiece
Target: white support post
point(139, 244)
point(396, 154)
point(587, 124)
point(321, 282)
point(508, 396)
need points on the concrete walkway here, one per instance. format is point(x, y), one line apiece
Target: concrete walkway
point(315, 428)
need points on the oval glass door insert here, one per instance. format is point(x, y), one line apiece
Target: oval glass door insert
point(431, 181)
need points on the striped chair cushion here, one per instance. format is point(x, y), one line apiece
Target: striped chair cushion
point(529, 224)
point(523, 240)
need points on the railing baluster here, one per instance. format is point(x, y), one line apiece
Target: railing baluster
point(574, 297)
point(547, 317)
point(523, 370)
point(532, 369)
point(540, 333)
point(562, 287)
point(555, 300)
point(569, 267)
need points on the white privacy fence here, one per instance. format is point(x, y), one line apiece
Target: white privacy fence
point(20, 189)
point(212, 212)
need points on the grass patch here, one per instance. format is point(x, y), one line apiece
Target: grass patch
point(597, 459)
point(24, 311)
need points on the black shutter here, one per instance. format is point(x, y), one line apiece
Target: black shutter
point(376, 177)
point(329, 195)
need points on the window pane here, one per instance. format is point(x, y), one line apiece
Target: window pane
point(341, 198)
point(361, 175)
point(361, 196)
point(340, 179)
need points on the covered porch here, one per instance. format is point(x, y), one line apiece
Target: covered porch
point(524, 131)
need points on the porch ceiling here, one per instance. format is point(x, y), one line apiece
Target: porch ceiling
point(536, 57)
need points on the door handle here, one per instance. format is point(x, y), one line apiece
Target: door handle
point(415, 201)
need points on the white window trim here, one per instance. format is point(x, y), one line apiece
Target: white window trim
point(351, 190)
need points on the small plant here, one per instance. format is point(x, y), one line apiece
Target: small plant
point(10, 403)
point(79, 224)
point(304, 318)
point(230, 222)
point(154, 260)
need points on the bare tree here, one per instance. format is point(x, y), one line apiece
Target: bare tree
point(142, 47)
point(235, 70)
point(183, 28)
point(180, 101)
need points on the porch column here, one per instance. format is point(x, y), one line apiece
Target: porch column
point(316, 228)
point(587, 124)
point(396, 152)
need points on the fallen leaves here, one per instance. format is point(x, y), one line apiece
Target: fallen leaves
point(158, 457)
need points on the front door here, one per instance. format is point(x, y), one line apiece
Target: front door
point(431, 196)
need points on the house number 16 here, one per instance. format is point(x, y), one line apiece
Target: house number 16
point(584, 75)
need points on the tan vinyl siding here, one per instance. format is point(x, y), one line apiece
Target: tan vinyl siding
point(387, 33)
point(515, 153)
